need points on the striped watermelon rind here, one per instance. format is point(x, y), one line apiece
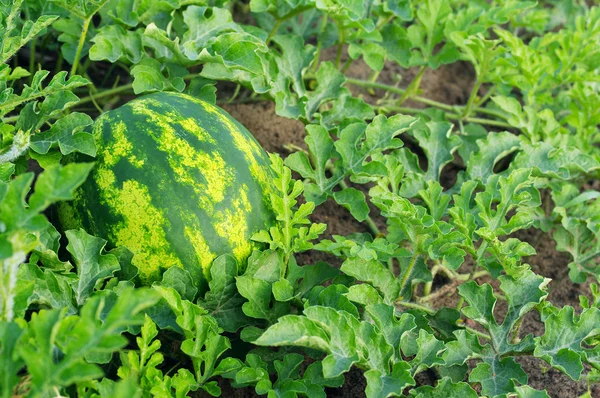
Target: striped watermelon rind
point(178, 181)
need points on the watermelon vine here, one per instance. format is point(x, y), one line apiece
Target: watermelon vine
point(149, 247)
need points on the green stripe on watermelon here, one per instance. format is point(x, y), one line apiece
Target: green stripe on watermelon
point(178, 181)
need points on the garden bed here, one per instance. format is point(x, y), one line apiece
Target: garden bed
point(451, 85)
point(299, 198)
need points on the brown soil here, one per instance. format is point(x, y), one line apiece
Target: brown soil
point(450, 84)
point(272, 131)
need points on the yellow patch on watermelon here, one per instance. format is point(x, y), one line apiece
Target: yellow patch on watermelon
point(190, 125)
point(143, 227)
point(68, 217)
point(203, 254)
point(186, 160)
point(232, 225)
point(121, 147)
point(248, 147)
point(105, 178)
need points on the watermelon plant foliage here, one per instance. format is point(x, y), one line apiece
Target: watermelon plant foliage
point(441, 191)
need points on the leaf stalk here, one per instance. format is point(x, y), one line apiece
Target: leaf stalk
point(86, 26)
point(413, 87)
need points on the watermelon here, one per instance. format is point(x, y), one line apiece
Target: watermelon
point(177, 181)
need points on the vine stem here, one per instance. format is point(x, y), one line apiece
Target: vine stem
point(274, 30)
point(86, 26)
point(32, 49)
point(32, 58)
point(347, 64)
point(478, 120)
point(372, 226)
point(438, 267)
point(438, 293)
point(589, 257)
point(340, 47)
point(430, 311)
point(319, 44)
point(415, 306)
point(487, 96)
point(384, 22)
point(287, 236)
point(285, 18)
point(491, 112)
point(98, 108)
point(435, 104)
point(234, 95)
point(460, 277)
point(476, 275)
point(434, 271)
point(401, 91)
point(413, 86)
point(452, 116)
point(409, 269)
point(472, 98)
